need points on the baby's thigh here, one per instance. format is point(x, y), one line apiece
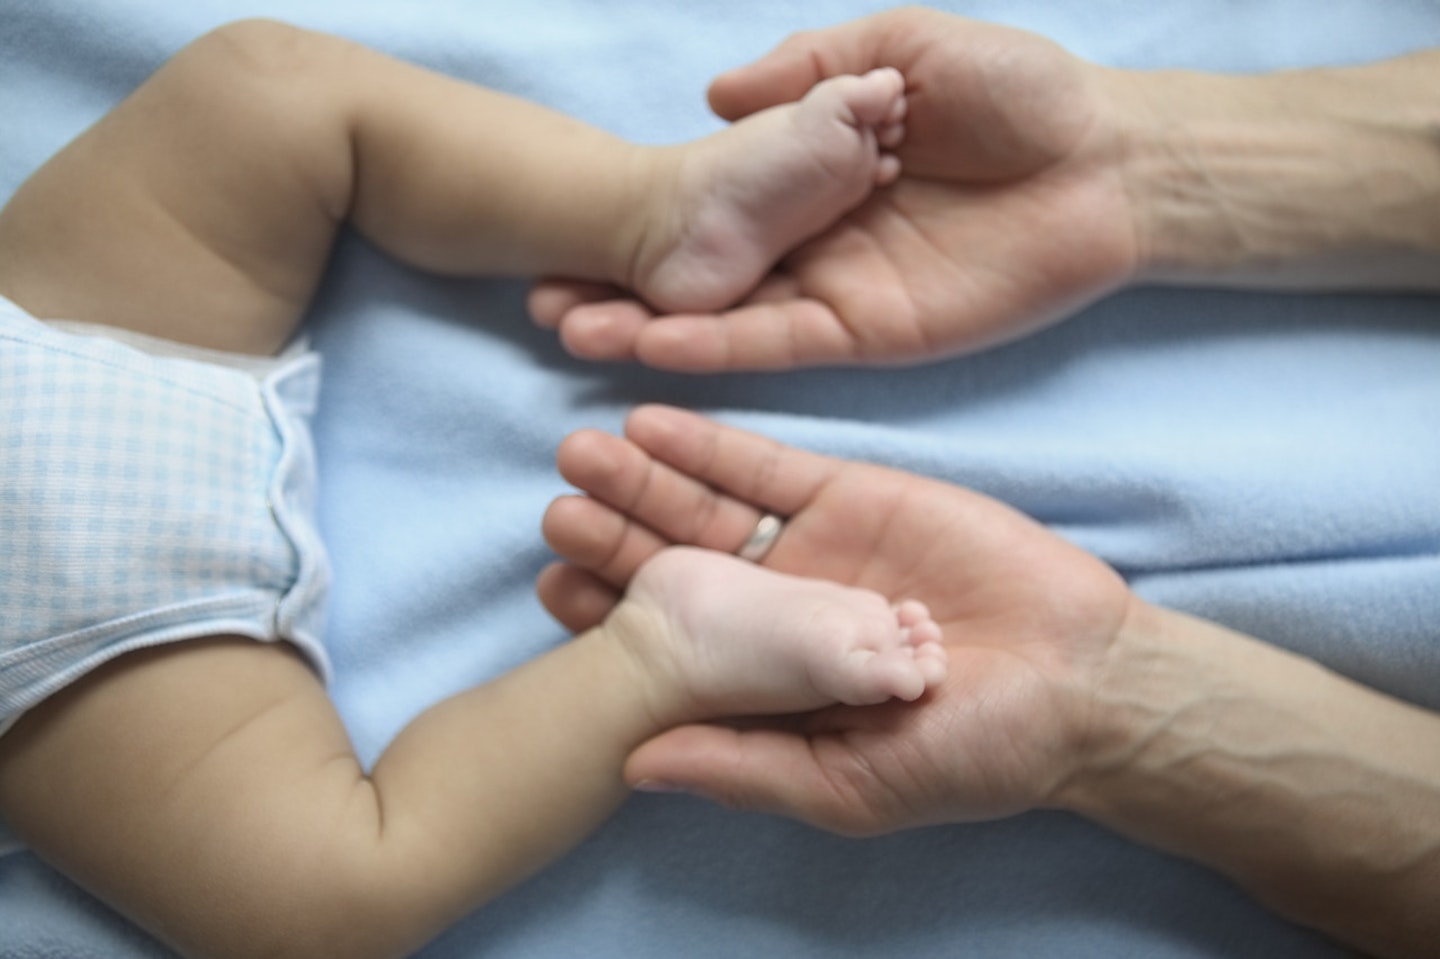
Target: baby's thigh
point(203, 207)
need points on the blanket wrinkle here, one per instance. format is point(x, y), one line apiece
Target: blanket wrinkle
point(1269, 461)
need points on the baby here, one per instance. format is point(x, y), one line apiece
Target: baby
point(169, 744)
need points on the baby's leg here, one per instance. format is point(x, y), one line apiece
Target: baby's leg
point(203, 208)
point(726, 636)
point(748, 195)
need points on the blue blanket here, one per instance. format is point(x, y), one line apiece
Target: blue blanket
point(1268, 461)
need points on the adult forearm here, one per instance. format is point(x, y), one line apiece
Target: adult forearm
point(1317, 795)
point(1319, 179)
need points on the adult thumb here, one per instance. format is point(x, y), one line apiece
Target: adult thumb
point(787, 72)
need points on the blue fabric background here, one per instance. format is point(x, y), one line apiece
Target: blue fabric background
point(1270, 461)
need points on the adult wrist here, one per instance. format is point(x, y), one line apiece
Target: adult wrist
point(1319, 796)
point(1310, 179)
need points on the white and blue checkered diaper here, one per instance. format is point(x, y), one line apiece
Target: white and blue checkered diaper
point(148, 499)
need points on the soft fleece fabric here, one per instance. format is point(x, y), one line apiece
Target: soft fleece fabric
point(1272, 462)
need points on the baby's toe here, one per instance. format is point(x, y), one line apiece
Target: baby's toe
point(869, 677)
point(870, 99)
point(890, 135)
point(933, 663)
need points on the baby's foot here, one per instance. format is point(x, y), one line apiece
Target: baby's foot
point(734, 638)
point(751, 193)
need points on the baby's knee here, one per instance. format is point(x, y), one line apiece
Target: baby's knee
point(273, 100)
point(258, 69)
point(252, 49)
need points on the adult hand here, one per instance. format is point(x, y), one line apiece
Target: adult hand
point(1027, 621)
point(1010, 212)
point(1317, 795)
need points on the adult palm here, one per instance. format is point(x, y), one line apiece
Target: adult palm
point(1011, 211)
point(1027, 620)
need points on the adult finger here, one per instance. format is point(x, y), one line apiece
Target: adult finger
point(637, 505)
point(550, 299)
point(592, 536)
point(772, 331)
point(575, 597)
point(758, 336)
point(749, 467)
point(596, 321)
point(803, 60)
point(758, 770)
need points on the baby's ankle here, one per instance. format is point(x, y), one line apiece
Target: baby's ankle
point(653, 212)
point(640, 636)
